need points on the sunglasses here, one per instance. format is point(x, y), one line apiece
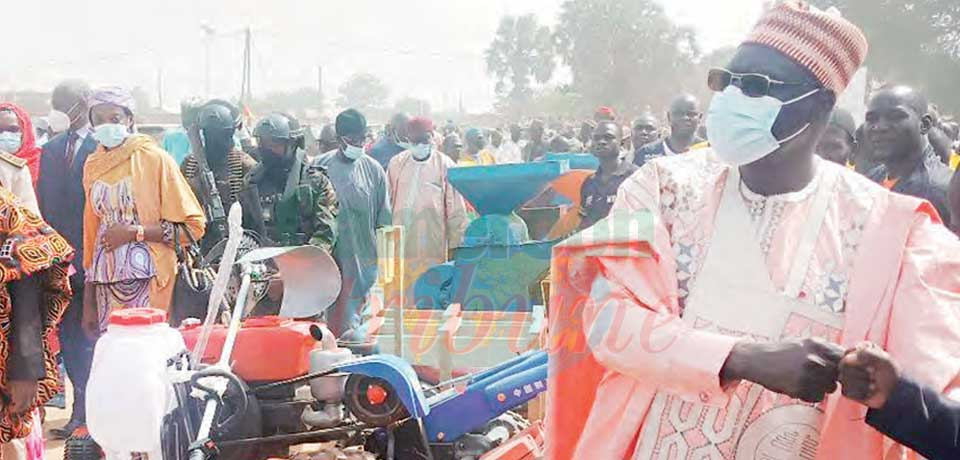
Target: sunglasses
point(752, 84)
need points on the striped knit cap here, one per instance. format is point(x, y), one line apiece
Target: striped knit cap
point(822, 41)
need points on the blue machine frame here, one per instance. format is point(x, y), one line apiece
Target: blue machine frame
point(487, 396)
point(399, 374)
point(454, 413)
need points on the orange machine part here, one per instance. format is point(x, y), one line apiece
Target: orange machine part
point(376, 395)
point(269, 348)
point(528, 445)
point(569, 184)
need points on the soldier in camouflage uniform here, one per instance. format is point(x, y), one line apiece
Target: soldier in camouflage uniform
point(218, 171)
point(297, 201)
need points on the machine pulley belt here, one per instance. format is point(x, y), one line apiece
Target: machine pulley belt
point(295, 438)
point(293, 381)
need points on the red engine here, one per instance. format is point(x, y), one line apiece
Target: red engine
point(268, 348)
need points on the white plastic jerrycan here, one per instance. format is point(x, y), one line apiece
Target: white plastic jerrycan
point(129, 391)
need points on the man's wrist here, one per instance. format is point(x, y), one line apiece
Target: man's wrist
point(737, 366)
point(899, 402)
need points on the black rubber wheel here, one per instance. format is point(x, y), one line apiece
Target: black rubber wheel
point(383, 410)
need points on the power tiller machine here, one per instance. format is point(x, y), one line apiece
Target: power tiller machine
point(254, 387)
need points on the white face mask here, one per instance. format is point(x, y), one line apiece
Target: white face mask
point(59, 121)
point(740, 128)
point(353, 152)
point(422, 151)
point(10, 142)
point(111, 135)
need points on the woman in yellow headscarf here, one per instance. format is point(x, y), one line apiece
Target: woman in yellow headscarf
point(135, 196)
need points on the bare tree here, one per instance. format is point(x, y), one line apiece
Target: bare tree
point(624, 53)
point(522, 52)
point(363, 91)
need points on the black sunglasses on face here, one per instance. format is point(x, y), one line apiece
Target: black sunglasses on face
point(752, 84)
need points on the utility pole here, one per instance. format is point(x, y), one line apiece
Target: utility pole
point(320, 88)
point(209, 33)
point(206, 85)
point(246, 94)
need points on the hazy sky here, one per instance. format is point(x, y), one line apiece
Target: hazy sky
point(423, 48)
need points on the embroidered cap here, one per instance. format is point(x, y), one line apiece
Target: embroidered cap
point(832, 47)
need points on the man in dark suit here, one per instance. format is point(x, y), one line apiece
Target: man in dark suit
point(898, 121)
point(61, 197)
point(684, 118)
point(905, 411)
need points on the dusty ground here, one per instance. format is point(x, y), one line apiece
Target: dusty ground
point(56, 418)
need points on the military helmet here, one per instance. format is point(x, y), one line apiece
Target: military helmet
point(235, 111)
point(217, 117)
point(280, 126)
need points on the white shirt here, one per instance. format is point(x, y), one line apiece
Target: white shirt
point(509, 152)
point(82, 134)
point(666, 149)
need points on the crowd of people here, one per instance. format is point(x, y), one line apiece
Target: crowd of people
point(786, 249)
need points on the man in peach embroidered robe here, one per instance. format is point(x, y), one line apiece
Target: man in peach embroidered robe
point(705, 317)
point(431, 211)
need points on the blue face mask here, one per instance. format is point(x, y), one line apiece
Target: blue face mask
point(740, 128)
point(111, 135)
point(353, 152)
point(10, 142)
